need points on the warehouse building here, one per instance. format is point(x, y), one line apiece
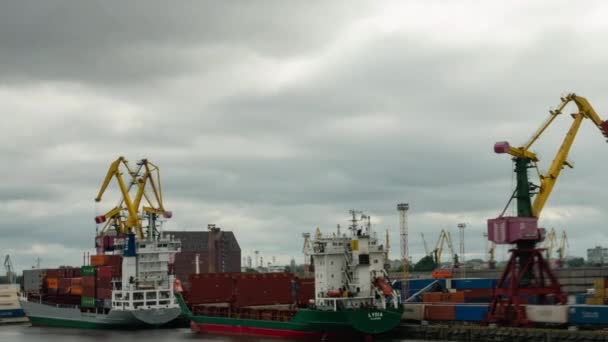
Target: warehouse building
point(218, 251)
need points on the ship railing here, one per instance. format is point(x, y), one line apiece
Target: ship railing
point(338, 303)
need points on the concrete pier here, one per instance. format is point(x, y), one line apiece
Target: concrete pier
point(437, 332)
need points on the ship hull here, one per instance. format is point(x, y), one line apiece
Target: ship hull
point(304, 323)
point(47, 315)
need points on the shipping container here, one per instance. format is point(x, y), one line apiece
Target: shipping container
point(581, 298)
point(478, 295)
point(88, 270)
point(32, 280)
point(557, 314)
point(413, 312)
point(104, 293)
point(432, 297)
point(211, 288)
point(474, 283)
point(52, 283)
point(104, 272)
point(588, 314)
point(99, 260)
point(87, 302)
point(439, 312)
point(594, 301)
point(473, 313)
point(305, 291)
point(509, 229)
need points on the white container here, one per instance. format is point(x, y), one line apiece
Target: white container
point(413, 312)
point(547, 313)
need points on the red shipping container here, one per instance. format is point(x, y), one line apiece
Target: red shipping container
point(99, 260)
point(305, 291)
point(104, 272)
point(211, 288)
point(263, 289)
point(64, 285)
point(439, 312)
point(114, 260)
point(509, 229)
point(53, 273)
point(478, 294)
point(104, 293)
point(432, 297)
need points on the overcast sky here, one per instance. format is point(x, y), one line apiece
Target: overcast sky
point(271, 118)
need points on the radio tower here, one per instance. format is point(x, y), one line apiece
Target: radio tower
point(403, 208)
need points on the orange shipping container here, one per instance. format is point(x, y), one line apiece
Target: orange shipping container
point(52, 283)
point(76, 290)
point(439, 312)
point(432, 297)
point(99, 260)
point(453, 297)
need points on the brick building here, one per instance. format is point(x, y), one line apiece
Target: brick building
point(218, 251)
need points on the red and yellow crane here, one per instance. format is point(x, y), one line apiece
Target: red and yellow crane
point(128, 215)
point(527, 271)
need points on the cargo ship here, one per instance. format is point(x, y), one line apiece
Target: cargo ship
point(132, 290)
point(350, 295)
point(127, 283)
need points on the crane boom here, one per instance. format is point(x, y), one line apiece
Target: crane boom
point(524, 156)
point(146, 175)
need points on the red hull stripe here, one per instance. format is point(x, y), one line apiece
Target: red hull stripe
point(236, 329)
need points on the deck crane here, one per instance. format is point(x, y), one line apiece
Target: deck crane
point(527, 272)
point(127, 216)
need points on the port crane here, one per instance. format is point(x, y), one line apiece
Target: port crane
point(562, 249)
point(128, 215)
point(444, 239)
point(527, 272)
point(10, 272)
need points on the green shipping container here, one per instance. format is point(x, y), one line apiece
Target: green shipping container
point(87, 302)
point(89, 270)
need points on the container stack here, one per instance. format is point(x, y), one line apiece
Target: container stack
point(453, 300)
point(600, 292)
point(244, 290)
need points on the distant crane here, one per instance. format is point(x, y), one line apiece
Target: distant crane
point(10, 273)
point(426, 246)
point(444, 239)
point(461, 227)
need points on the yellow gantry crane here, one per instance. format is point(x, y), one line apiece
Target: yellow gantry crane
point(128, 215)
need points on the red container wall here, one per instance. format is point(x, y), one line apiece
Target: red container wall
point(104, 272)
point(305, 291)
point(88, 286)
point(104, 293)
point(439, 312)
point(478, 294)
point(263, 289)
point(211, 288)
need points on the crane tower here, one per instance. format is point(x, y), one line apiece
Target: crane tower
point(403, 209)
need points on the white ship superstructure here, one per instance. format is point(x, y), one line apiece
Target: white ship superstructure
point(349, 269)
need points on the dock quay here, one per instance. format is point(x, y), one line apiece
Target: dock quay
point(447, 332)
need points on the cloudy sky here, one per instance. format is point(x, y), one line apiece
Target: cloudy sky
point(271, 118)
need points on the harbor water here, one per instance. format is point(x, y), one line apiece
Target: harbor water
point(26, 333)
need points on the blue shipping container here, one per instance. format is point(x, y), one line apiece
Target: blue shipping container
point(422, 283)
point(581, 298)
point(471, 312)
point(474, 283)
point(12, 313)
point(588, 314)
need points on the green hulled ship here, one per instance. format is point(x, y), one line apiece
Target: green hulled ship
point(352, 294)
